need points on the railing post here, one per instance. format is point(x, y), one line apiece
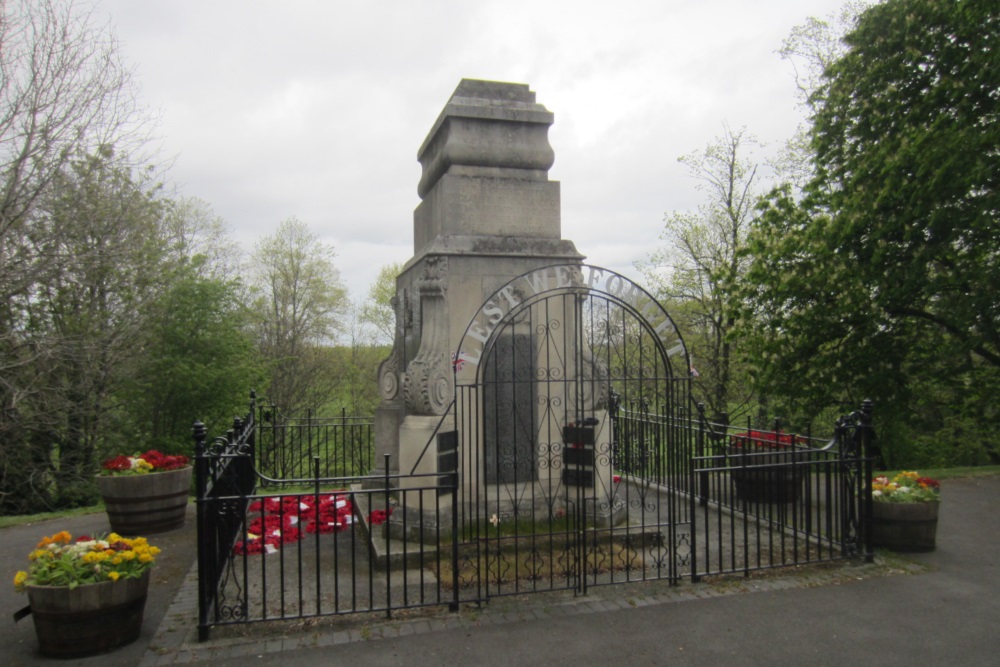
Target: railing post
point(251, 421)
point(388, 549)
point(702, 476)
point(347, 464)
point(867, 437)
point(453, 478)
point(702, 490)
point(205, 579)
point(316, 543)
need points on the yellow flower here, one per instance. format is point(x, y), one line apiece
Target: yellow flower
point(19, 580)
point(94, 557)
point(113, 575)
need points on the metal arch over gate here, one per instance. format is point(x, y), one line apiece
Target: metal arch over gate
point(572, 409)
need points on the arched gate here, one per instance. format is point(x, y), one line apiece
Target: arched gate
point(572, 414)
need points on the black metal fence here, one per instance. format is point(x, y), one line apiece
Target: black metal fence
point(321, 544)
point(288, 446)
point(758, 498)
point(734, 500)
point(224, 480)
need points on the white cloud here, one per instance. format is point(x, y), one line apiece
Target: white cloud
point(316, 108)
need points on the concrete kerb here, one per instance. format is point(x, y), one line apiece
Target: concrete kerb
point(172, 645)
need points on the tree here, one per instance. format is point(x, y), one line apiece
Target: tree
point(811, 48)
point(378, 310)
point(64, 90)
point(199, 360)
point(701, 258)
point(66, 96)
point(75, 331)
point(357, 360)
point(884, 273)
point(194, 230)
point(301, 304)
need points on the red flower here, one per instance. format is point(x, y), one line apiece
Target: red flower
point(161, 461)
point(117, 463)
point(378, 517)
point(765, 439)
point(279, 517)
point(290, 534)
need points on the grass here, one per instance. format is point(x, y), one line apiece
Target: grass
point(951, 473)
point(23, 519)
point(528, 558)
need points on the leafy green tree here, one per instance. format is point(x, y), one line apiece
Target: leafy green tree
point(200, 361)
point(66, 95)
point(701, 258)
point(98, 252)
point(378, 310)
point(196, 231)
point(300, 311)
point(909, 136)
point(811, 48)
point(879, 282)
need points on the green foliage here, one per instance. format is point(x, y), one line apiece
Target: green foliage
point(694, 272)
point(378, 310)
point(300, 311)
point(907, 145)
point(95, 255)
point(880, 281)
point(199, 361)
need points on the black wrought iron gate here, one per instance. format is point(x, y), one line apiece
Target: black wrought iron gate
point(561, 485)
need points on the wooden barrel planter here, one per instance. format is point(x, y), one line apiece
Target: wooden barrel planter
point(145, 504)
point(89, 619)
point(767, 477)
point(905, 527)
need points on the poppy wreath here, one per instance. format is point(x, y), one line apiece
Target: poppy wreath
point(280, 520)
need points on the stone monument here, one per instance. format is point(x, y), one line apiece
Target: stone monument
point(488, 214)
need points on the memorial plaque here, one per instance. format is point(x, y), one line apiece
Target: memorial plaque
point(578, 456)
point(578, 477)
point(508, 406)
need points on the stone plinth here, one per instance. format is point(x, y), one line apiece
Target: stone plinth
point(488, 214)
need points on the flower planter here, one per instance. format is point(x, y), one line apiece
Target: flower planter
point(767, 477)
point(905, 527)
point(144, 504)
point(88, 619)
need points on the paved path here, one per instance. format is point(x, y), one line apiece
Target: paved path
point(941, 608)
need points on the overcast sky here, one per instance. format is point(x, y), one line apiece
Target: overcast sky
point(316, 108)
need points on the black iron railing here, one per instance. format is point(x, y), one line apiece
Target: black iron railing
point(756, 498)
point(686, 497)
point(224, 481)
point(326, 544)
point(287, 446)
point(767, 498)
